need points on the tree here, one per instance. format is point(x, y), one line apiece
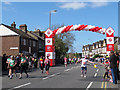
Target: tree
point(76, 55)
point(60, 48)
point(63, 42)
point(97, 55)
point(115, 47)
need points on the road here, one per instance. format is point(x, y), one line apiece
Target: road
point(60, 77)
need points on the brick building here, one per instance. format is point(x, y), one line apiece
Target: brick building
point(98, 47)
point(15, 41)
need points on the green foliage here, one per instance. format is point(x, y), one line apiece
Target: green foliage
point(60, 48)
point(76, 55)
point(63, 42)
point(116, 48)
point(67, 55)
point(97, 55)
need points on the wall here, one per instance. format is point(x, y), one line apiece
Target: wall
point(0, 46)
point(8, 42)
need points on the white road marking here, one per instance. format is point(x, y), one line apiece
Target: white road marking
point(67, 70)
point(45, 78)
point(21, 86)
point(95, 75)
point(97, 70)
point(51, 76)
point(89, 85)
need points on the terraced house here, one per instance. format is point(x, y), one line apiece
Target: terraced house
point(98, 47)
point(15, 41)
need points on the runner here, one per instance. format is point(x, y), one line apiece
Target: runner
point(12, 65)
point(47, 64)
point(41, 64)
point(18, 62)
point(84, 66)
point(77, 60)
point(32, 62)
point(70, 61)
point(8, 59)
point(23, 66)
point(65, 61)
point(35, 62)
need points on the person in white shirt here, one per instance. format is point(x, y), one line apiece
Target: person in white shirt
point(84, 66)
point(70, 61)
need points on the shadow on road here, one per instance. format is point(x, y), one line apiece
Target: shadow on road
point(92, 79)
point(37, 76)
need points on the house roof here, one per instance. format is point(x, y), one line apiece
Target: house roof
point(37, 35)
point(19, 32)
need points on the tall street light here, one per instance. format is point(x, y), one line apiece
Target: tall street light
point(50, 17)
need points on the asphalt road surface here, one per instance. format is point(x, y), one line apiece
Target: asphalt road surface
point(60, 77)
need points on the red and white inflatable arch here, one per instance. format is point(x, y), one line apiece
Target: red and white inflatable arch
point(49, 37)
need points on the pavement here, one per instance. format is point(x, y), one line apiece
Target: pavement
point(61, 77)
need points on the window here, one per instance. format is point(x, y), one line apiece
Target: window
point(30, 43)
point(21, 41)
point(25, 42)
point(34, 43)
point(100, 45)
point(40, 44)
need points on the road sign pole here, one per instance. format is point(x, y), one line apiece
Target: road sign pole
point(110, 39)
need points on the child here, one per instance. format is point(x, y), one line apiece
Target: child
point(106, 63)
point(110, 74)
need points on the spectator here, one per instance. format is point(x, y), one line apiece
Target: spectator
point(4, 65)
point(117, 65)
point(113, 66)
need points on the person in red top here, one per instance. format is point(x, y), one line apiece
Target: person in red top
point(47, 64)
point(41, 64)
point(65, 61)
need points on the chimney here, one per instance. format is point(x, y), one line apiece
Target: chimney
point(13, 25)
point(23, 27)
point(37, 32)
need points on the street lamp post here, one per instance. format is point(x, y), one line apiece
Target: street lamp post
point(50, 17)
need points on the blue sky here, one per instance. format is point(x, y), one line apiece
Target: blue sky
point(36, 15)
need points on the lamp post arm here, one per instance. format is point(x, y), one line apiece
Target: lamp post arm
point(50, 20)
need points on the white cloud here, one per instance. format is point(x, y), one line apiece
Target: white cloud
point(74, 5)
point(98, 4)
point(98, 0)
point(7, 3)
point(79, 5)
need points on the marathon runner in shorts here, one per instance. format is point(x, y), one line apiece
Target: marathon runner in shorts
point(47, 64)
point(84, 66)
point(65, 61)
point(23, 66)
point(8, 59)
point(12, 65)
